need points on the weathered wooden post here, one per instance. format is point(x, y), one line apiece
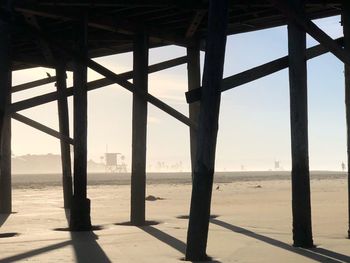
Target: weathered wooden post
point(63, 118)
point(5, 120)
point(139, 131)
point(194, 82)
point(346, 29)
point(207, 131)
point(80, 207)
point(301, 205)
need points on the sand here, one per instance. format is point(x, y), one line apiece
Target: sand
point(252, 224)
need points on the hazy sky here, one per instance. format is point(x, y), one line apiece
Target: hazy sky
point(254, 118)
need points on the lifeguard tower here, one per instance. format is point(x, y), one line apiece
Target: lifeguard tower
point(112, 164)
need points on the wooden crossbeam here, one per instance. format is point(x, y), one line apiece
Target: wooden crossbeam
point(41, 127)
point(96, 84)
point(52, 96)
point(33, 84)
point(43, 45)
point(195, 23)
point(259, 71)
point(117, 79)
point(313, 30)
point(107, 24)
point(124, 3)
point(145, 95)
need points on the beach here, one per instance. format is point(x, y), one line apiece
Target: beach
point(251, 220)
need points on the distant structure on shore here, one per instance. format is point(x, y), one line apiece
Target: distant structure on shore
point(112, 165)
point(278, 166)
point(46, 163)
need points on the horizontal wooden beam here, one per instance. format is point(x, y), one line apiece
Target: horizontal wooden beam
point(41, 127)
point(313, 30)
point(124, 3)
point(259, 71)
point(145, 95)
point(106, 24)
point(195, 22)
point(96, 84)
point(33, 84)
point(117, 79)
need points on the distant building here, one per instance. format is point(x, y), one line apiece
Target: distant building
point(112, 164)
point(277, 165)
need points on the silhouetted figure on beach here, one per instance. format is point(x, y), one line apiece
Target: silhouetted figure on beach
point(343, 166)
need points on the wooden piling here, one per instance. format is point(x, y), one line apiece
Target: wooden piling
point(5, 120)
point(63, 118)
point(5, 163)
point(346, 30)
point(207, 131)
point(194, 82)
point(139, 131)
point(301, 205)
point(80, 207)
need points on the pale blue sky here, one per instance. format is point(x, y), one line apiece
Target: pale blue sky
point(254, 119)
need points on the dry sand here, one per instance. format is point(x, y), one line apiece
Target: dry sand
point(253, 224)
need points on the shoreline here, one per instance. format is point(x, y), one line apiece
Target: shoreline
point(45, 180)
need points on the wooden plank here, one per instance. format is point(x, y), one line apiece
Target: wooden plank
point(41, 127)
point(312, 29)
point(33, 84)
point(63, 120)
point(130, 87)
point(301, 205)
point(42, 44)
point(139, 131)
point(96, 84)
point(346, 30)
point(108, 24)
point(259, 71)
point(207, 131)
point(117, 79)
point(80, 207)
point(114, 77)
point(194, 82)
point(195, 23)
point(5, 122)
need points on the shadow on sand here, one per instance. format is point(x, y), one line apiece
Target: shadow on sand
point(85, 247)
point(317, 254)
point(84, 244)
point(169, 240)
point(35, 252)
point(3, 218)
